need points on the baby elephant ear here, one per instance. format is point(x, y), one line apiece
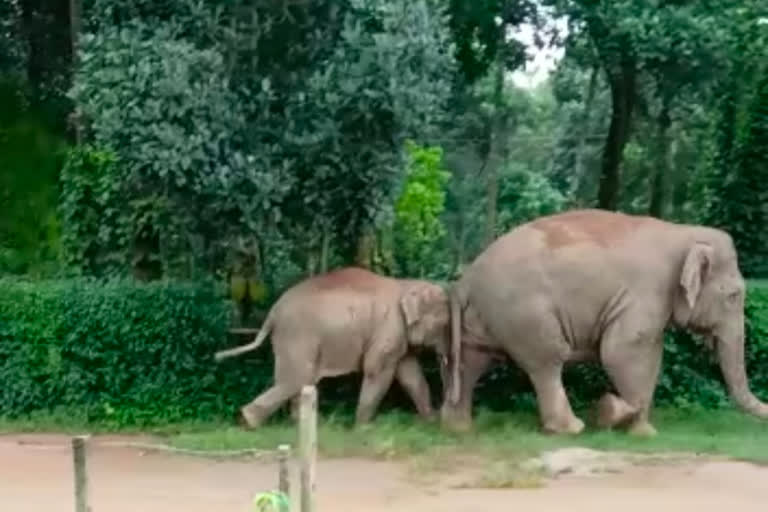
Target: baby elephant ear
point(415, 303)
point(410, 303)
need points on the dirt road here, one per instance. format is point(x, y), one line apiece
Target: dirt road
point(37, 477)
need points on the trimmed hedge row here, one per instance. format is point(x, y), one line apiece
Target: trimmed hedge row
point(138, 354)
point(120, 351)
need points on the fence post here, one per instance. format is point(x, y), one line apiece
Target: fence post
point(283, 454)
point(79, 445)
point(308, 446)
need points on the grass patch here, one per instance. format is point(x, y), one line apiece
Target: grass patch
point(66, 420)
point(499, 436)
point(758, 283)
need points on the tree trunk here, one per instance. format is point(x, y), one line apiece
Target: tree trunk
point(663, 168)
point(623, 84)
point(578, 168)
point(461, 241)
point(75, 18)
point(324, 249)
point(365, 247)
point(48, 35)
point(496, 138)
point(311, 261)
point(385, 248)
point(678, 188)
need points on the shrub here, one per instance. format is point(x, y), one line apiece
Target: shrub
point(117, 351)
point(134, 354)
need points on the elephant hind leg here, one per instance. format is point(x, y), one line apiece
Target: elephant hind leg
point(613, 411)
point(256, 412)
point(293, 370)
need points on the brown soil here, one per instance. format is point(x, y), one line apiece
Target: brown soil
point(36, 476)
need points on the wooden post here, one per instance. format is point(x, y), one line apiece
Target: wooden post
point(308, 446)
point(79, 445)
point(283, 453)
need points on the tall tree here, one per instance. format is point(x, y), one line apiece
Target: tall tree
point(747, 213)
point(299, 136)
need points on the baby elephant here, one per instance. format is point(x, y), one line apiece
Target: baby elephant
point(345, 321)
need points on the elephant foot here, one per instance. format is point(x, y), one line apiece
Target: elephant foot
point(612, 411)
point(429, 417)
point(455, 422)
point(572, 426)
point(250, 418)
point(642, 429)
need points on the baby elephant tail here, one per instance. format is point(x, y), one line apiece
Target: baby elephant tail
point(260, 337)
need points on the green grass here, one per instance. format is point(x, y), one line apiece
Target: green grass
point(503, 435)
point(496, 435)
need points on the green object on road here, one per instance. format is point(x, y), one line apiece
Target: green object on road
point(272, 501)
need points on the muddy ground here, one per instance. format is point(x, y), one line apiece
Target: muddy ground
point(36, 476)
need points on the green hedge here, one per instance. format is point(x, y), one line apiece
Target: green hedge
point(115, 351)
point(137, 354)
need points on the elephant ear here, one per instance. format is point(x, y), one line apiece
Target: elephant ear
point(414, 303)
point(697, 263)
point(410, 304)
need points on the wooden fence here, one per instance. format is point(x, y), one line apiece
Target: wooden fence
point(307, 459)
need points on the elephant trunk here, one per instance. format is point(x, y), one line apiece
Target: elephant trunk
point(731, 356)
point(455, 370)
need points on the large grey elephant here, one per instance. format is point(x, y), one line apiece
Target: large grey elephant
point(351, 320)
point(596, 285)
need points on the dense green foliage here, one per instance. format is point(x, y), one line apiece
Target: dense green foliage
point(268, 138)
point(260, 142)
point(210, 149)
point(134, 354)
point(418, 229)
point(118, 351)
point(143, 92)
point(744, 212)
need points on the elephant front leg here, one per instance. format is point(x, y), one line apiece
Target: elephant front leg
point(555, 410)
point(411, 378)
point(376, 382)
point(633, 367)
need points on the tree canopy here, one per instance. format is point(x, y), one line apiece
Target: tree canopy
point(270, 140)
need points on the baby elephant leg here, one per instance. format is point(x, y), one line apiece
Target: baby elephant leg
point(376, 382)
point(411, 378)
point(256, 412)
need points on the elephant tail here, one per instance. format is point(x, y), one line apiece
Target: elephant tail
point(455, 393)
point(266, 327)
